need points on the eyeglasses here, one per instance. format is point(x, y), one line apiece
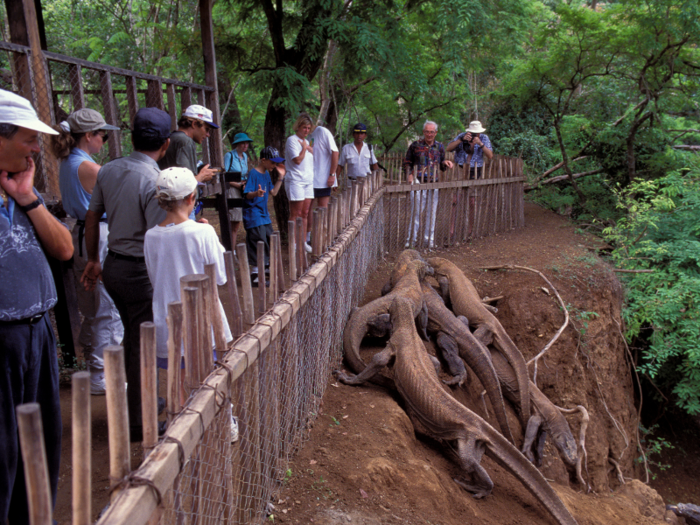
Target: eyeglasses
point(105, 137)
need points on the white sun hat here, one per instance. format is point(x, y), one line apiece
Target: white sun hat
point(175, 183)
point(19, 111)
point(475, 127)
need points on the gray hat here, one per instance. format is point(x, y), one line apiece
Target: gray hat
point(85, 120)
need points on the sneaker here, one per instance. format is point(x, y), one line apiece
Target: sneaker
point(234, 429)
point(97, 383)
point(307, 247)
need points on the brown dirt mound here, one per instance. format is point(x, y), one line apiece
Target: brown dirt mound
point(364, 463)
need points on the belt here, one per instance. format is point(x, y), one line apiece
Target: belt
point(81, 234)
point(27, 320)
point(123, 257)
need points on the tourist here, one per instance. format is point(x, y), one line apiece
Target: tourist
point(256, 217)
point(472, 142)
point(82, 135)
point(426, 157)
point(126, 191)
point(358, 157)
point(237, 161)
point(28, 360)
point(299, 182)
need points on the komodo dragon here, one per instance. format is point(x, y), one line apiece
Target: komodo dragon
point(435, 412)
point(546, 417)
point(465, 301)
point(408, 286)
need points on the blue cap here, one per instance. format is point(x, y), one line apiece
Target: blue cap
point(241, 137)
point(272, 154)
point(359, 128)
point(152, 122)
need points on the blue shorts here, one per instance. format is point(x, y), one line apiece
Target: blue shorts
point(322, 192)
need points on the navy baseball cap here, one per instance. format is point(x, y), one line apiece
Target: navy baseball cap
point(152, 122)
point(359, 128)
point(270, 153)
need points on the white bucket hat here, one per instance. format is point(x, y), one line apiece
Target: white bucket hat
point(19, 111)
point(200, 113)
point(175, 183)
point(475, 127)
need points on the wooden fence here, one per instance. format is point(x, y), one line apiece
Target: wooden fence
point(272, 379)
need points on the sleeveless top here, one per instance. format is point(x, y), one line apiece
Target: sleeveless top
point(75, 199)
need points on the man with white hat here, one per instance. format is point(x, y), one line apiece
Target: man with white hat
point(28, 360)
point(472, 142)
point(192, 128)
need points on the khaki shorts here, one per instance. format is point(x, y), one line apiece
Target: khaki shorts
point(234, 214)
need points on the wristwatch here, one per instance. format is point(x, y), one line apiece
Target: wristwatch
point(29, 207)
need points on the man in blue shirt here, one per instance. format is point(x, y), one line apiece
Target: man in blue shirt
point(256, 217)
point(472, 142)
point(28, 359)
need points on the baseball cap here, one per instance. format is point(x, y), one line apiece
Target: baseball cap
point(359, 128)
point(152, 122)
point(200, 113)
point(87, 119)
point(175, 183)
point(272, 154)
point(19, 111)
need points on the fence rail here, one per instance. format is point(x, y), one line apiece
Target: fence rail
point(57, 85)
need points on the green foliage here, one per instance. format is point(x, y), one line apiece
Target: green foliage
point(654, 446)
point(660, 232)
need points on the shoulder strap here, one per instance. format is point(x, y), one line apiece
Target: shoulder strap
point(230, 156)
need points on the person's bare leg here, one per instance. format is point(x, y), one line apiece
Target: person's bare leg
point(234, 233)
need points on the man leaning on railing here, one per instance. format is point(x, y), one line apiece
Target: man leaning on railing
point(426, 156)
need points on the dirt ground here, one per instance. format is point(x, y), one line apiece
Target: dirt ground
point(363, 462)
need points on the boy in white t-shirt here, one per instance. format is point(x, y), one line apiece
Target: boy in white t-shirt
point(177, 247)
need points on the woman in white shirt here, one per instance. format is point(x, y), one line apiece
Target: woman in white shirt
point(299, 181)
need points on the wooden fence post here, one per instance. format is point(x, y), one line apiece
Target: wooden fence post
point(117, 418)
point(246, 286)
point(291, 239)
point(81, 452)
point(36, 470)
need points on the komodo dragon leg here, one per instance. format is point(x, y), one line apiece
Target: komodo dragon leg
point(378, 362)
point(546, 419)
point(470, 451)
point(450, 353)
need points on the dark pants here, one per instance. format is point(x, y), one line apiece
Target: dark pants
point(28, 373)
point(128, 284)
point(252, 236)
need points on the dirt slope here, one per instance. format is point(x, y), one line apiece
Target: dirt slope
point(364, 464)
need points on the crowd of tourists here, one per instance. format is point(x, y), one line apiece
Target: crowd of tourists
point(136, 234)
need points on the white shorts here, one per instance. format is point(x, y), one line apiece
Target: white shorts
point(299, 192)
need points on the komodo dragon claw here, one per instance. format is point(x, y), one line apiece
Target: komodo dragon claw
point(442, 417)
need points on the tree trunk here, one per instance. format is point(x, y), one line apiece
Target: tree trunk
point(275, 135)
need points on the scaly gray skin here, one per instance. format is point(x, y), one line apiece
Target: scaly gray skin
point(476, 355)
point(465, 301)
point(381, 326)
point(435, 412)
point(546, 416)
point(408, 286)
point(690, 512)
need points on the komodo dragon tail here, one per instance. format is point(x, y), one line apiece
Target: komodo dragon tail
point(499, 449)
point(355, 330)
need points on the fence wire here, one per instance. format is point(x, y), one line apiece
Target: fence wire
point(275, 401)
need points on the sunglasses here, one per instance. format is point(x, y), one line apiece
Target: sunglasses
point(105, 136)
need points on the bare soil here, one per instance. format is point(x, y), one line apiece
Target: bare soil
point(363, 462)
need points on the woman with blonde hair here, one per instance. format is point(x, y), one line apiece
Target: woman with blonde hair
point(299, 181)
point(82, 135)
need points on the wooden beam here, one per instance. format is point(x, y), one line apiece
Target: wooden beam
point(115, 145)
